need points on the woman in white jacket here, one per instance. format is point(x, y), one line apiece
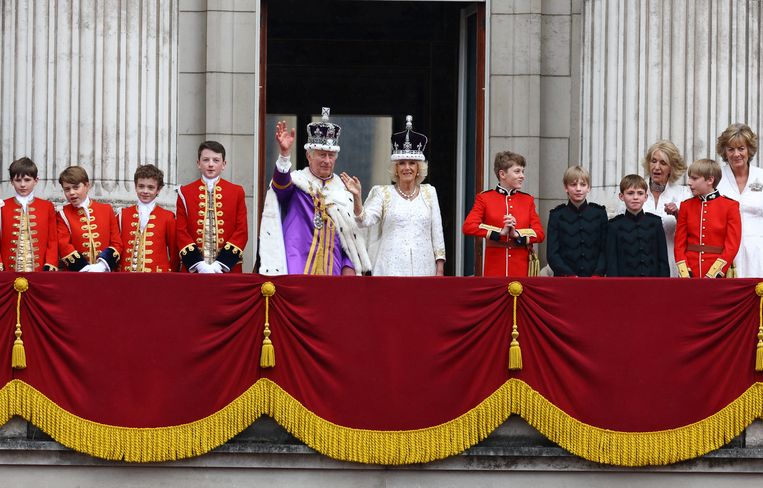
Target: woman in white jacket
point(743, 182)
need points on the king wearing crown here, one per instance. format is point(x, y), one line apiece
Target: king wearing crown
point(308, 226)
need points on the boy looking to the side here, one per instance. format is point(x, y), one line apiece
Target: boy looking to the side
point(88, 232)
point(29, 241)
point(577, 230)
point(148, 230)
point(709, 226)
point(636, 243)
point(506, 218)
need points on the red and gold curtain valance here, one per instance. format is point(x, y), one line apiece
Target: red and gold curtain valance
point(381, 370)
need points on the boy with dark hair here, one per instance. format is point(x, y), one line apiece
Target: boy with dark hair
point(577, 230)
point(212, 227)
point(88, 232)
point(29, 241)
point(636, 243)
point(148, 230)
point(506, 218)
point(709, 227)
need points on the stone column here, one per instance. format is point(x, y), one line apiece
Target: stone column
point(91, 83)
point(218, 67)
point(534, 88)
point(514, 79)
point(665, 69)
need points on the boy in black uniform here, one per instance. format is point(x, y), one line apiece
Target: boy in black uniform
point(636, 243)
point(577, 230)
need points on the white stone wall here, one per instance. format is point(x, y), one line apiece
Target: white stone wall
point(289, 475)
point(89, 83)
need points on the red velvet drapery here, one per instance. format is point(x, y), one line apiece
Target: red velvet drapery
point(363, 358)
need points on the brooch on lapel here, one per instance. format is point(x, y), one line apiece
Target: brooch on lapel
point(756, 185)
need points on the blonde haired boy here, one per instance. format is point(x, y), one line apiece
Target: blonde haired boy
point(577, 230)
point(709, 227)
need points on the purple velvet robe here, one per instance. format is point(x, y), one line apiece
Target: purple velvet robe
point(298, 229)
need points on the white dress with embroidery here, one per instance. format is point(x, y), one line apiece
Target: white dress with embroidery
point(748, 262)
point(405, 236)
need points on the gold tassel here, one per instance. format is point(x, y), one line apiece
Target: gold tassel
point(18, 356)
point(268, 352)
point(515, 353)
point(759, 349)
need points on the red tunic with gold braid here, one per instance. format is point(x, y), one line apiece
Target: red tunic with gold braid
point(224, 235)
point(708, 233)
point(154, 249)
point(504, 256)
point(29, 241)
point(83, 239)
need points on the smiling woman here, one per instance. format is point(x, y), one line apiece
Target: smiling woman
point(743, 182)
point(405, 227)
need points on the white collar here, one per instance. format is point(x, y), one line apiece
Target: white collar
point(144, 212)
point(210, 183)
point(24, 201)
point(147, 207)
point(85, 203)
point(320, 178)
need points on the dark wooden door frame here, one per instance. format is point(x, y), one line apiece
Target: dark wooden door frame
point(262, 183)
point(479, 147)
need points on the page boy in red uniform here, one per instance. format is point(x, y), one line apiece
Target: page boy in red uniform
point(29, 241)
point(88, 232)
point(212, 227)
point(709, 226)
point(507, 219)
point(148, 230)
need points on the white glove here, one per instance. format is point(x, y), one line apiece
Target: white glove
point(203, 268)
point(98, 267)
point(219, 267)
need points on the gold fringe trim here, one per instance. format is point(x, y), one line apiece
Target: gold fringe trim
point(636, 448)
point(376, 446)
point(125, 443)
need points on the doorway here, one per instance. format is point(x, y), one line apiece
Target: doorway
point(373, 63)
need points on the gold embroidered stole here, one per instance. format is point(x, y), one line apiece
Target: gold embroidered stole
point(209, 246)
point(24, 242)
point(320, 260)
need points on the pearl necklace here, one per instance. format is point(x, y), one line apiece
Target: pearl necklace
point(408, 196)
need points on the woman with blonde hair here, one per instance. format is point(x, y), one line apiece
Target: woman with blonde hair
point(743, 182)
point(403, 218)
point(663, 167)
